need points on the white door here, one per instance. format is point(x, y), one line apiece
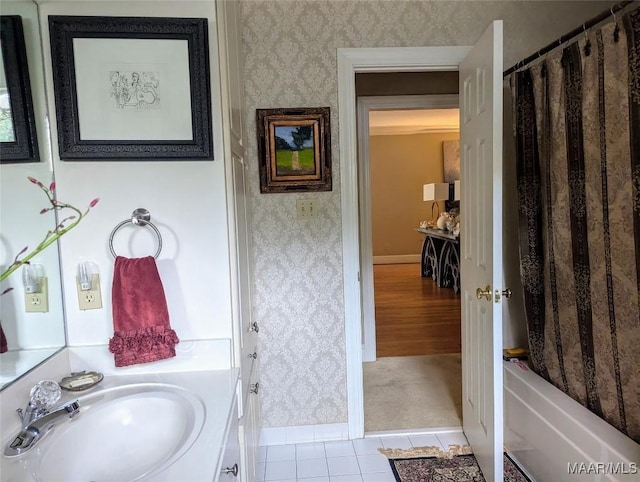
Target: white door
point(481, 249)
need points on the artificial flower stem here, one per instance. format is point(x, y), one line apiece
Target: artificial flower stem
point(44, 244)
point(51, 236)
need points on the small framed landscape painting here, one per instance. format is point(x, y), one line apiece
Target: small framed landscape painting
point(294, 149)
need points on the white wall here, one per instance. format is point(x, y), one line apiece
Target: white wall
point(186, 199)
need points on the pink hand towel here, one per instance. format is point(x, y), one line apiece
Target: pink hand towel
point(140, 316)
point(4, 347)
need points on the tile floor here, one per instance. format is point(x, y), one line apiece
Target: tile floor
point(343, 461)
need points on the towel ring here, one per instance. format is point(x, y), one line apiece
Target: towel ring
point(139, 217)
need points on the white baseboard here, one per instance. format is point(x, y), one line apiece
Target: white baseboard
point(397, 259)
point(413, 431)
point(304, 434)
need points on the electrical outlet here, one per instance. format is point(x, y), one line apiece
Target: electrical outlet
point(90, 299)
point(38, 302)
point(306, 208)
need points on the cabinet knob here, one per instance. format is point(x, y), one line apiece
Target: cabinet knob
point(255, 327)
point(253, 355)
point(254, 387)
point(231, 470)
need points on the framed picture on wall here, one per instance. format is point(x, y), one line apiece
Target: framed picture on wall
point(451, 160)
point(294, 149)
point(131, 88)
point(18, 137)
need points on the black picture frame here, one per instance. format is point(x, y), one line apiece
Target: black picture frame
point(294, 149)
point(24, 147)
point(136, 32)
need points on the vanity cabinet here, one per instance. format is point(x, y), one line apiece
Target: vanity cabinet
point(249, 430)
point(230, 467)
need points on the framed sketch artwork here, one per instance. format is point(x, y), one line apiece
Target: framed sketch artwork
point(294, 149)
point(131, 87)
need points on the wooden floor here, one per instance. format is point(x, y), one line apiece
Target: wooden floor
point(413, 315)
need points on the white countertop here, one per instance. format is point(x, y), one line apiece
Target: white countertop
point(216, 388)
point(15, 363)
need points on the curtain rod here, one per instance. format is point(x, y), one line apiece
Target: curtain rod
point(575, 32)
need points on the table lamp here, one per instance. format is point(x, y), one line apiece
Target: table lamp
point(436, 191)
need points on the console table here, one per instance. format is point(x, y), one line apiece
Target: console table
point(441, 257)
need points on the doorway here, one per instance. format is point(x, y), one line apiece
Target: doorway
point(349, 62)
point(412, 369)
point(441, 124)
point(480, 69)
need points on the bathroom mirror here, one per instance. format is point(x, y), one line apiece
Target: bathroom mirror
point(32, 336)
point(18, 139)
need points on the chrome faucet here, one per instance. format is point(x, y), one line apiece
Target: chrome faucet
point(37, 420)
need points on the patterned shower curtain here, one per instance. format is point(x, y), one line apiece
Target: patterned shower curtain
point(577, 127)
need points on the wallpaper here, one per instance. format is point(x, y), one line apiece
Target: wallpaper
point(290, 61)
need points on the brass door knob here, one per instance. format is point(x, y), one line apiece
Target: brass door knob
point(486, 293)
point(507, 293)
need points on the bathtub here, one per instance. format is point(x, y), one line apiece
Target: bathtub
point(555, 439)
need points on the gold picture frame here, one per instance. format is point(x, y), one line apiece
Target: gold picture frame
point(294, 149)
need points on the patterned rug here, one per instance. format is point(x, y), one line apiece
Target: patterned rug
point(460, 468)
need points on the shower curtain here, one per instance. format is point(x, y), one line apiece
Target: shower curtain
point(577, 128)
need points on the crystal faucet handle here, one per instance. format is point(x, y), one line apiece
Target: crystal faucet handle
point(45, 393)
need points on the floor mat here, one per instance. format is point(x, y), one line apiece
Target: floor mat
point(460, 468)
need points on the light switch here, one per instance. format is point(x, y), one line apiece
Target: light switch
point(306, 208)
point(38, 302)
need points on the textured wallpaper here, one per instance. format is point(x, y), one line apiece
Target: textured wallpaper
point(290, 61)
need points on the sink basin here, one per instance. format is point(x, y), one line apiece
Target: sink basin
point(125, 433)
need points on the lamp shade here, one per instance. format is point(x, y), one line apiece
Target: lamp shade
point(436, 191)
point(456, 190)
